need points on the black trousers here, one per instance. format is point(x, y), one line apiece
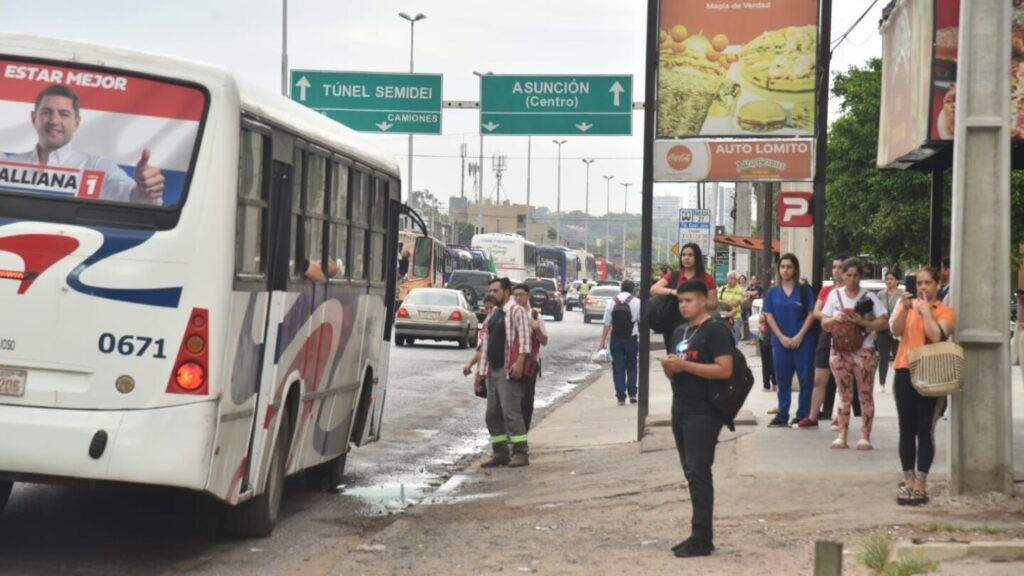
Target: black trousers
point(696, 429)
point(767, 364)
point(886, 345)
point(918, 416)
point(529, 391)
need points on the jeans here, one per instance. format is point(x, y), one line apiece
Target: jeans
point(624, 352)
point(787, 363)
point(696, 431)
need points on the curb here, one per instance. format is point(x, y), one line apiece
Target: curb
point(1004, 551)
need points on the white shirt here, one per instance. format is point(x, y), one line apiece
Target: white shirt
point(117, 184)
point(837, 302)
point(634, 310)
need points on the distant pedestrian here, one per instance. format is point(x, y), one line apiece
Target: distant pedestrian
point(701, 353)
point(730, 301)
point(918, 321)
point(855, 370)
point(944, 274)
point(521, 294)
point(508, 330)
point(621, 317)
point(584, 292)
point(789, 311)
point(489, 304)
point(691, 267)
point(884, 340)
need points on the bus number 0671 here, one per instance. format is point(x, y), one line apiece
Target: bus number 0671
point(129, 345)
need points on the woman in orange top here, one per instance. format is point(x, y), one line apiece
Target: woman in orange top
point(918, 321)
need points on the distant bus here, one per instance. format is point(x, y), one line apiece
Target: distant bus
point(216, 333)
point(513, 255)
point(588, 264)
point(426, 259)
point(459, 258)
point(567, 264)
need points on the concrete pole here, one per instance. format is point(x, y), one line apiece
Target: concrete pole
point(625, 210)
point(529, 161)
point(462, 153)
point(981, 455)
point(607, 218)
point(586, 209)
point(412, 44)
point(284, 48)
point(480, 191)
point(558, 207)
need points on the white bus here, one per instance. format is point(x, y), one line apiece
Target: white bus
point(513, 255)
point(197, 279)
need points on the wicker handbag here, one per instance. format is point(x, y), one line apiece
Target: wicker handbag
point(937, 370)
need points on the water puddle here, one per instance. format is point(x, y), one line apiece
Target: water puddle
point(390, 497)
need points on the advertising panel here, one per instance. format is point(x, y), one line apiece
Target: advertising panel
point(94, 134)
point(737, 68)
point(781, 160)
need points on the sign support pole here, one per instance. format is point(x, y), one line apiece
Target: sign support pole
point(980, 425)
point(935, 228)
point(646, 214)
point(821, 144)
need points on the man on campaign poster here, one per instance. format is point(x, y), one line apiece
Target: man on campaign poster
point(56, 117)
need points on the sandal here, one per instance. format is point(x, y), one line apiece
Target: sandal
point(904, 495)
point(864, 444)
point(920, 497)
point(839, 444)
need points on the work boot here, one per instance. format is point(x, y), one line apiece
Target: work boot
point(520, 455)
point(498, 458)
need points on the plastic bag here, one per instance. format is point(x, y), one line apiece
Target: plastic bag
point(601, 356)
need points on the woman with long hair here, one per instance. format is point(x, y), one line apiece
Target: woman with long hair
point(854, 369)
point(691, 267)
point(918, 321)
point(789, 311)
point(884, 340)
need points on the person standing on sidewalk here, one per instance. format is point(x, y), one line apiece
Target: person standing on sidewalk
point(824, 395)
point(855, 370)
point(789, 311)
point(884, 340)
point(467, 368)
point(918, 322)
point(521, 294)
point(701, 353)
point(691, 267)
point(508, 326)
point(733, 295)
point(621, 316)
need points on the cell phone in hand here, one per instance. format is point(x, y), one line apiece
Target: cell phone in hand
point(910, 284)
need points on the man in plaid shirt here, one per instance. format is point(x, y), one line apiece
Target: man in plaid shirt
point(507, 327)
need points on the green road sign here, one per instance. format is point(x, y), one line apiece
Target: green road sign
point(372, 101)
point(556, 105)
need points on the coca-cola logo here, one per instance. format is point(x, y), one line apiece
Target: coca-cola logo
point(680, 157)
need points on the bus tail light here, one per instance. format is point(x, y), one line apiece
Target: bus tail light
point(191, 367)
point(456, 315)
point(403, 313)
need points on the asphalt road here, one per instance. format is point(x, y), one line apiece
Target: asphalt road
point(432, 425)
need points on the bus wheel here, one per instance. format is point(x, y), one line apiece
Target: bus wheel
point(559, 316)
point(327, 476)
point(410, 341)
point(257, 516)
point(5, 492)
point(400, 341)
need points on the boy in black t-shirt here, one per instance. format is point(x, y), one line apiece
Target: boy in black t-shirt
point(701, 354)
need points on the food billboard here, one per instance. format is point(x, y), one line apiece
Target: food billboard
point(737, 69)
point(919, 74)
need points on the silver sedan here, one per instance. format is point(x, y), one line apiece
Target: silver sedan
point(436, 314)
point(596, 301)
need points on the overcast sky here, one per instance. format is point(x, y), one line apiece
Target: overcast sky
point(457, 37)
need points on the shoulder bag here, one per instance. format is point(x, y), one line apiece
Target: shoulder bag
point(846, 336)
point(937, 369)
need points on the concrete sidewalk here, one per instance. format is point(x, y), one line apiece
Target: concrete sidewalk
point(595, 501)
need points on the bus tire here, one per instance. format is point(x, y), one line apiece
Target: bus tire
point(327, 476)
point(5, 492)
point(400, 341)
point(559, 316)
point(256, 517)
point(410, 341)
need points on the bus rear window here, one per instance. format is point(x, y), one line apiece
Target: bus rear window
point(96, 135)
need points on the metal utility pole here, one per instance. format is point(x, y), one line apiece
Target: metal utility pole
point(980, 426)
point(529, 160)
point(462, 152)
point(647, 212)
point(767, 222)
point(284, 48)
point(821, 145)
point(586, 209)
point(625, 210)
point(412, 44)
point(474, 171)
point(480, 192)
point(558, 208)
point(607, 218)
point(498, 164)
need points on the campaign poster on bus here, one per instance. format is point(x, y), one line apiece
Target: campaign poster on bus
point(95, 134)
point(737, 69)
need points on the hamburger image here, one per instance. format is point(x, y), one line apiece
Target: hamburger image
point(761, 116)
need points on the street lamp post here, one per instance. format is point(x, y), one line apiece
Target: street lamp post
point(607, 218)
point(586, 209)
point(558, 207)
point(480, 192)
point(625, 210)
point(284, 48)
point(412, 42)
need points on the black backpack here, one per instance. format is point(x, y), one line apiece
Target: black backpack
point(728, 396)
point(622, 318)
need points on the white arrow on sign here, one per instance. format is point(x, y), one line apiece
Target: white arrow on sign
point(303, 83)
point(616, 91)
point(384, 126)
point(490, 126)
point(583, 127)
